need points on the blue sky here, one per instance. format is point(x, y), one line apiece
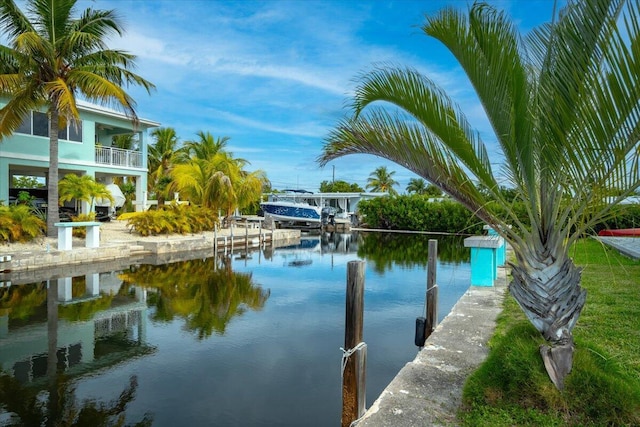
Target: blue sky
point(274, 76)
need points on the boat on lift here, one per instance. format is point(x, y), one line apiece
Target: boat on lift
point(292, 207)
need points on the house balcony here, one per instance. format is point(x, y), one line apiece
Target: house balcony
point(118, 157)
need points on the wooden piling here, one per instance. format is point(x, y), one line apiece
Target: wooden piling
point(231, 231)
point(432, 290)
point(246, 235)
point(353, 375)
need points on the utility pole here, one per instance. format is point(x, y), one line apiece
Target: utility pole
point(334, 174)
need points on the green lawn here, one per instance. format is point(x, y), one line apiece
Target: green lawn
point(512, 388)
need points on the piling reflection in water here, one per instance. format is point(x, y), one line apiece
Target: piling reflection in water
point(250, 338)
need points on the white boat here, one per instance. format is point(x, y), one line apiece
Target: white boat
point(291, 206)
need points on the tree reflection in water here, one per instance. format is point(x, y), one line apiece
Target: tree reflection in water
point(204, 292)
point(29, 406)
point(383, 250)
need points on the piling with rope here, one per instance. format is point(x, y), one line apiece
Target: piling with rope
point(432, 289)
point(425, 325)
point(354, 352)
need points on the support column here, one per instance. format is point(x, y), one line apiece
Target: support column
point(483, 258)
point(65, 238)
point(93, 284)
point(501, 252)
point(5, 181)
point(93, 236)
point(65, 289)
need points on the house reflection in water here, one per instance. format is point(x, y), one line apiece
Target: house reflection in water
point(84, 323)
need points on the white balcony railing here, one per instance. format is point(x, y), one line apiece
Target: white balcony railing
point(118, 157)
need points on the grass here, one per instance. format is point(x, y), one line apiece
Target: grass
point(511, 388)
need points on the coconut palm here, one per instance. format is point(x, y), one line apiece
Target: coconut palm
point(382, 180)
point(564, 103)
point(125, 141)
point(417, 186)
point(50, 59)
point(162, 155)
point(218, 182)
point(82, 188)
point(206, 146)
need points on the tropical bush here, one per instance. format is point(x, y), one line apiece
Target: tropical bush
point(82, 231)
point(173, 218)
point(19, 224)
point(418, 213)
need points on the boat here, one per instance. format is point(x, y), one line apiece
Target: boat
point(291, 206)
point(622, 232)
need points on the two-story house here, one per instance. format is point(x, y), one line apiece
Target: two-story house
point(85, 149)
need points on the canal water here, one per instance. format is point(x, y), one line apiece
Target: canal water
point(241, 339)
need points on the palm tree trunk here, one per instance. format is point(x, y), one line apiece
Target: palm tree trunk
point(53, 215)
point(548, 291)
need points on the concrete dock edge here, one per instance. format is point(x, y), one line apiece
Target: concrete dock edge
point(428, 390)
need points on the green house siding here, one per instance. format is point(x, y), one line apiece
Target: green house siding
point(25, 154)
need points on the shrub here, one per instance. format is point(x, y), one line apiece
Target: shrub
point(173, 218)
point(418, 213)
point(82, 231)
point(19, 224)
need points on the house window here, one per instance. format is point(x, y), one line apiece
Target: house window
point(75, 131)
point(37, 123)
point(40, 124)
point(25, 126)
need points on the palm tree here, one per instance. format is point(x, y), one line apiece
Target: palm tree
point(74, 187)
point(382, 180)
point(417, 186)
point(50, 59)
point(206, 146)
point(218, 182)
point(564, 103)
point(162, 156)
point(125, 141)
point(82, 188)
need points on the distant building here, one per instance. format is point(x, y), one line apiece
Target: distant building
point(85, 149)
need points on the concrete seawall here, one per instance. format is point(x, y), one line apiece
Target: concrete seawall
point(43, 263)
point(428, 390)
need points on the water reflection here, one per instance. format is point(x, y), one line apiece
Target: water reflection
point(60, 407)
point(249, 338)
point(206, 293)
point(51, 334)
point(409, 250)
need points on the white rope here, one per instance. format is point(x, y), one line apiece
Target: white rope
point(346, 354)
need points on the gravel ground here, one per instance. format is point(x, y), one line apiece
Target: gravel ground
point(112, 231)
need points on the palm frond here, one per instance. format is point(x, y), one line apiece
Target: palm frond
point(498, 76)
point(435, 111)
point(12, 20)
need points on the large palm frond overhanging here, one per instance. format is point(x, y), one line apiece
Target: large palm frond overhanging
point(564, 104)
